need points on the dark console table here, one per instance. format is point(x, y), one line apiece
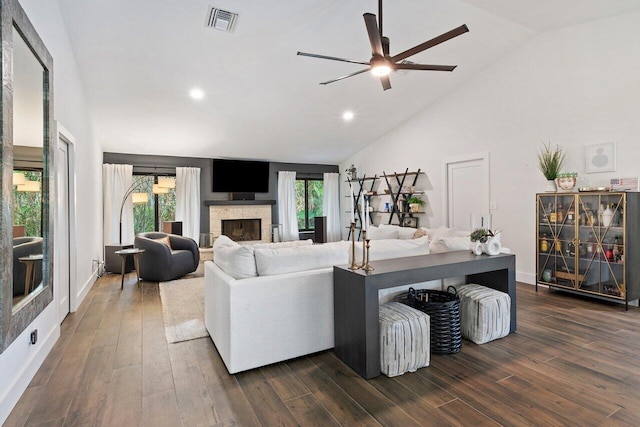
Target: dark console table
point(355, 301)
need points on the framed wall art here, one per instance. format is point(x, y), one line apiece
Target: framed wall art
point(600, 157)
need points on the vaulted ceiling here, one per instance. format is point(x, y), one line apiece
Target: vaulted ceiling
point(139, 59)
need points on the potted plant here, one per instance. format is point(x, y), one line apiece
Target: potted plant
point(353, 171)
point(415, 203)
point(481, 235)
point(485, 241)
point(550, 161)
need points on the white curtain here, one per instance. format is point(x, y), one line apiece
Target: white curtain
point(188, 201)
point(331, 206)
point(287, 205)
point(116, 181)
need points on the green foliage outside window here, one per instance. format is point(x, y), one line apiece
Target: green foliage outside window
point(144, 215)
point(309, 194)
point(27, 207)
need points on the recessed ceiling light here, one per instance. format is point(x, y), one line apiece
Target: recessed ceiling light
point(196, 94)
point(347, 116)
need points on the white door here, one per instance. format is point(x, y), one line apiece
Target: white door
point(61, 255)
point(467, 189)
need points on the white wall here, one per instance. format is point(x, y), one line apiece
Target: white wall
point(20, 361)
point(574, 86)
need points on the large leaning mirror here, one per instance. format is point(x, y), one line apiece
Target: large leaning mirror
point(27, 179)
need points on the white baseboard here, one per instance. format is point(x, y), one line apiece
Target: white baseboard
point(29, 365)
point(527, 278)
point(82, 292)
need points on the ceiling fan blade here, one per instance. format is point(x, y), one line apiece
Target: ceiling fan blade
point(424, 67)
point(374, 33)
point(333, 58)
point(345, 77)
point(430, 43)
point(386, 83)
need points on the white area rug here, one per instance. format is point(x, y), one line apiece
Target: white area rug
point(183, 309)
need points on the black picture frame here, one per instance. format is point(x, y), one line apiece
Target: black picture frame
point(410, 222)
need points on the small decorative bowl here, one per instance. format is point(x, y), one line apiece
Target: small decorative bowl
point(567, 181)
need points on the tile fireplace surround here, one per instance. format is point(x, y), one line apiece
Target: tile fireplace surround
point(217, 213)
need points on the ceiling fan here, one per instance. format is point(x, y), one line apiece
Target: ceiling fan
point(381, 62)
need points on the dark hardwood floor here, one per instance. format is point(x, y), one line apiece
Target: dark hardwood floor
point(573, 361)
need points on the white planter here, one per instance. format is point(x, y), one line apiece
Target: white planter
point(551, 186)
point(491, 247)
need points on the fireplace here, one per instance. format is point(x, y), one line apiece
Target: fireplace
point(240, 230)
point(224, 210)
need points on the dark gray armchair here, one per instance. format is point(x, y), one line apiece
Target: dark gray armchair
point(159, 263)
point(25, 246)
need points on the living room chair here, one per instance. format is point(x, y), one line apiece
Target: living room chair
point(160, 261)
point(25, 246)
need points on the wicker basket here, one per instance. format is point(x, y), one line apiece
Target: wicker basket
point(443, 309)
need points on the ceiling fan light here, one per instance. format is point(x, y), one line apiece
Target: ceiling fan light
point(380, 67)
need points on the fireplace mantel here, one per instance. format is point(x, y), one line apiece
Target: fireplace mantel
point(238, 202)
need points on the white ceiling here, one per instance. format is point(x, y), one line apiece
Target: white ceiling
point(138, 60)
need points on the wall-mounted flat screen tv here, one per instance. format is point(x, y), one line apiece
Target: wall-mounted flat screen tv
point(240, 176)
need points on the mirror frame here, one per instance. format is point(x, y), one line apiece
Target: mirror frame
point(15, 321)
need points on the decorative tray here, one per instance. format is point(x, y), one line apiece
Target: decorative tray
point(588, 189)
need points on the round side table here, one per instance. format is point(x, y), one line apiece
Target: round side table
point(135, 253)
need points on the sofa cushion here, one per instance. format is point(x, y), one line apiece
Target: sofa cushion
point(223, 241)
point(237, 261)
point(404, 233)
point(382, 233)
point(393, 248)
point(448, 244)
point(281, 260)
point(290, 244)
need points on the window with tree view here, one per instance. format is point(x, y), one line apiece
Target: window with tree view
point(309, 194)
point(159, 207)
point(27, 207)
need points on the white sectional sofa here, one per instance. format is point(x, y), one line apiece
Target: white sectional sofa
point(272, 302)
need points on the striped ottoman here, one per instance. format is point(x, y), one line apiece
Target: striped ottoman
point(485, 314)
point(404, 339)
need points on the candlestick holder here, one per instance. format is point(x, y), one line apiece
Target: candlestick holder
point(365, 263)
point(354, 265)
point(364, 249)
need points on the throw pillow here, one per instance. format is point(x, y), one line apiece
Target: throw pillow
point(165, 241)
point(420, 232)
point(448, 244)
point(406, 233)
point(382, 233)
point(223, 241)
point(238, 262)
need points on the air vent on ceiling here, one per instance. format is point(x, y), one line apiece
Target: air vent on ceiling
point(221, 19)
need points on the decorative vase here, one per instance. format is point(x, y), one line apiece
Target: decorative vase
point(491, 247)
point(546, 275)
point(566, 181)
point(607, 216)
point(354, 175)
point(477, 248)
point(551, 186)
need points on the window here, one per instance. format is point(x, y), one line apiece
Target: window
point(27, 207)
point(159, 207)
point(309, 194)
